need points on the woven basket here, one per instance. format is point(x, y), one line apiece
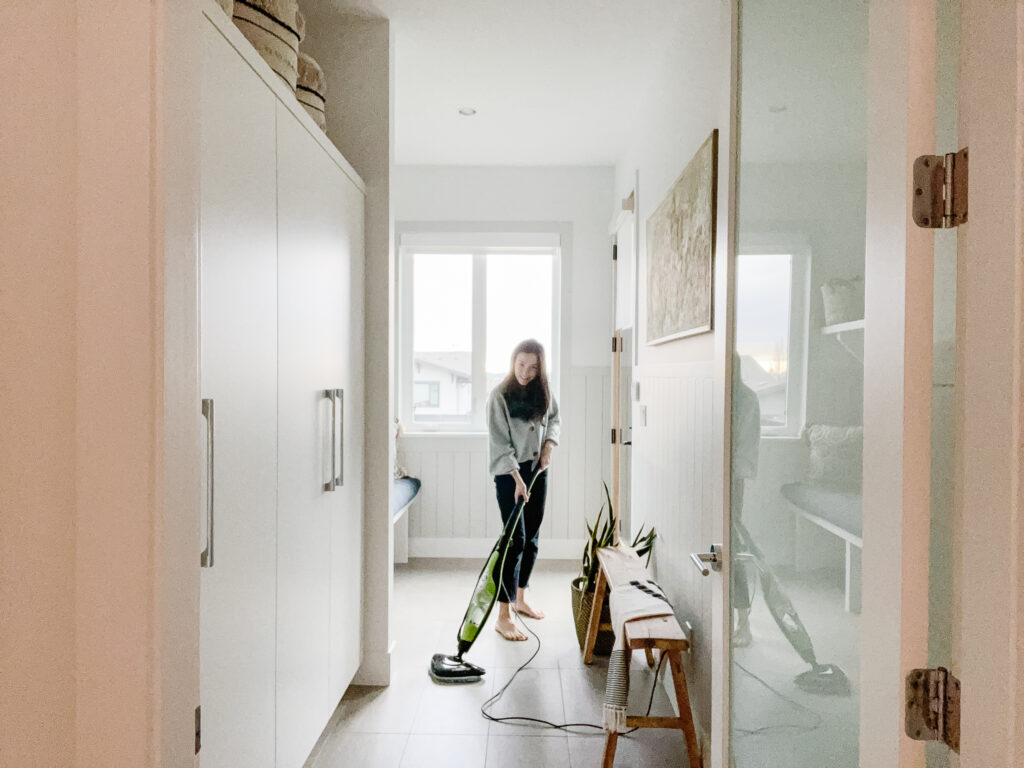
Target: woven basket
point(311, 90)
point(582, 604)
point(270, 25)
point(228, 6)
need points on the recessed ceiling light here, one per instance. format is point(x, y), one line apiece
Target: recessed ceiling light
point(467, 111)
point(776, 108)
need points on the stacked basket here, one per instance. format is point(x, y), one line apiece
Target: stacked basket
point(311, 90)
point(272, 26)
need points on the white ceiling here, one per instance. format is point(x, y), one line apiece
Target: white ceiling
point(554, 82)
point(558, 82)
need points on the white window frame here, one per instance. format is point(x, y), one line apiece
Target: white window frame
point(799, 249)
point(479, 245)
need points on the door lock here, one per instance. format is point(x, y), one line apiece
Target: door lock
point(705, 562)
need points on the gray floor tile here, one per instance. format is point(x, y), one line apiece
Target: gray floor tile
point(380, 710)
point(433, 751)
point(453, 709)
point(365, 750)
point(527, 752)
point(647, 748)
point(534, 693)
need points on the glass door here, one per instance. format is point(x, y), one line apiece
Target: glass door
point(798, 385)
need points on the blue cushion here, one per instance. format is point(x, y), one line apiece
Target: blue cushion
point(403, 490)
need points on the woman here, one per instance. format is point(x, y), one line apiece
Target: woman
point(522, 419)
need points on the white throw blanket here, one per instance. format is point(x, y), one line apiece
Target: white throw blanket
point(637, 599)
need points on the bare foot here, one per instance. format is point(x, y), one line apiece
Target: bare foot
point(507, 629)
point(525, 610)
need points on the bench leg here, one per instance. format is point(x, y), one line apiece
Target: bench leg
point(595, 617)
point(649, 653)
point(853, 578)
point(609, 750)
point(685, 714)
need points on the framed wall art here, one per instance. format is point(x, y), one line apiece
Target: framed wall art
point(681, 249)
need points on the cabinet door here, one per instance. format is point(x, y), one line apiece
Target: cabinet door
point(239, 372)
point(314, 325)
point(347, 523)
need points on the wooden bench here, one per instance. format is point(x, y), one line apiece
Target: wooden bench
point(620, 565)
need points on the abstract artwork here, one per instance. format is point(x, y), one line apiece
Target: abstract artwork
point(680, 251)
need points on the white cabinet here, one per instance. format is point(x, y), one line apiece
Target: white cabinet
point(320, 227)
point(238, 254)
point(320, 246)
point(282, 276)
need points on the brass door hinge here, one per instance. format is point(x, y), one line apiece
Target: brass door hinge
point(933, 707)
point(940, 190)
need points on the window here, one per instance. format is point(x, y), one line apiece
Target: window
point(426, 394)
point(771, 333)
point(465, 302)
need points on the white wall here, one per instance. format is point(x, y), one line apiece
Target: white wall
point(678, 458)
point(576, 200)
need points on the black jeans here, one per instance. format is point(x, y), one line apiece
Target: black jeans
point(741, 597)
point(522, 553)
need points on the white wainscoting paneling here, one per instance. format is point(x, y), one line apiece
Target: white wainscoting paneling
point(674, 472)
point(456, 514)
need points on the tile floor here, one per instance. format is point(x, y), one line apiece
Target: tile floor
point(415, 723)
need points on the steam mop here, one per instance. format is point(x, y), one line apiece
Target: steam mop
point(820, 678)
point(446, 669)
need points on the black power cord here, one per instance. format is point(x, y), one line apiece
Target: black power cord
point(547, 723)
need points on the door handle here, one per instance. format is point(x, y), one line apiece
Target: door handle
point(339, 474)
point(328, 394)
point(206, 556)
point(705, 562)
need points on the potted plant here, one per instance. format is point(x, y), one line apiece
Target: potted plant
point(600, 535)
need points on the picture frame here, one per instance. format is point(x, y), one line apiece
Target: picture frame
point(681, 251)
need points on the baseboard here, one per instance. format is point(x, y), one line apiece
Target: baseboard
point(550, 549)
point(375, 669)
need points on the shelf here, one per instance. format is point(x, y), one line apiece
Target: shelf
point(850, 325)
point(844, 333)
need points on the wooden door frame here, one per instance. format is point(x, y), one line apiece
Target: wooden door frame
point(988, 641)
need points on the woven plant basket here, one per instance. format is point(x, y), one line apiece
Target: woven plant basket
point(228, 6)
point(311, 90)
point(582, 603)
point(271, 26)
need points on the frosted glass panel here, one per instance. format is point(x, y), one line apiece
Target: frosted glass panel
point(797, 390)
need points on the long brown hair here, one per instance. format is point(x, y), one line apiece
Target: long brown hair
point(532, 401)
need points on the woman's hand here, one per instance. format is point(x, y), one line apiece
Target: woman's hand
point(545, 454)
point(521, 491)
point(520, 488)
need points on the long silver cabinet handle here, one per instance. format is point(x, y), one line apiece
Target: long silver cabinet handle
point(332, 484)
point(206, 556)
point(339, 478)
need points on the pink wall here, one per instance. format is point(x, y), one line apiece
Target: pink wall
point(37, 385)
point(92, 656)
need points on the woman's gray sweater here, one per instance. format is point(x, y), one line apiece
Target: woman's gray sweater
point(516, 441)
